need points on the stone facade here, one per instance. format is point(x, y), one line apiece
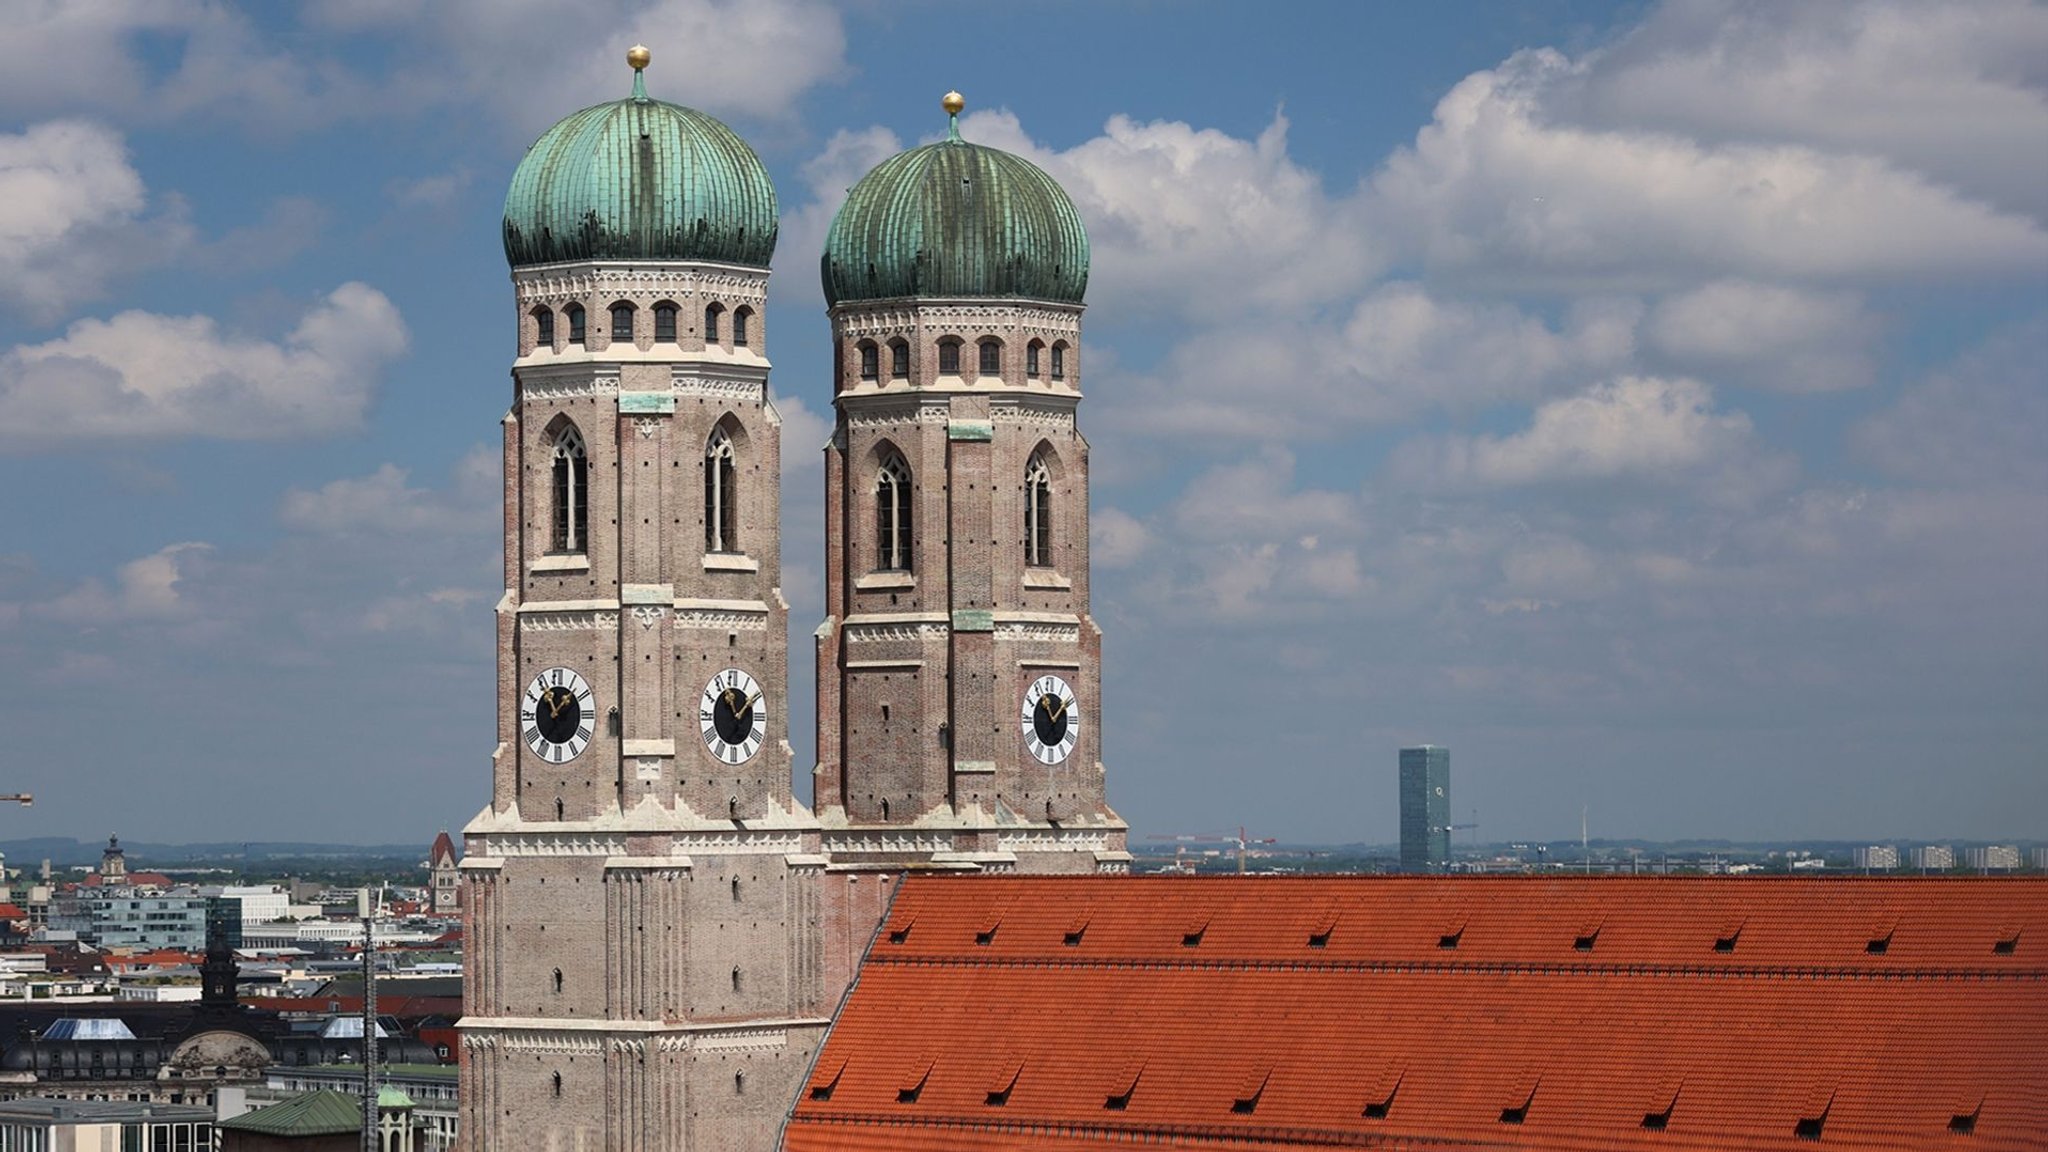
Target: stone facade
point(643, 967)
point(925, 660)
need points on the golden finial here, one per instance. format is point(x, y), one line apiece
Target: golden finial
point(953, 103)
point(638, 56)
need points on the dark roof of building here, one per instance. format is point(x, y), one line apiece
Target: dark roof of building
point(1539, 1013)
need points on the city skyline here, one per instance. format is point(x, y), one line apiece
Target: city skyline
point(1499, 380)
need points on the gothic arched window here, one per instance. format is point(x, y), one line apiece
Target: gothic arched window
point(721, 494)
point(870, 360)
point(741, 321)
point(1038, 513)
point(622, 322)
point(991, 357)
point(665, 323)
point(1059, 360)
point(899, 360)
point(575, 314)
point(892, 515)
point(711, 314)
point(949, 357)
point(544, 327)
point(571, 492)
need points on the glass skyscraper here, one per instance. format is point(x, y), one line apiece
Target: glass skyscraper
point(1425, 809)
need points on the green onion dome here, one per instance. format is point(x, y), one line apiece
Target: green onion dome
point(640, 179)
point(956, 219)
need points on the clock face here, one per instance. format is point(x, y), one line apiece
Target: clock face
point(1051, 719)
point(557, 715)
point(733, 716)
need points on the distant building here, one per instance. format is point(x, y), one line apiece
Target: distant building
point(113, 862)
point(2040, 858)
point(1994, 858)
point(447, 876)
point(130, 1125)
point(1878, 857)
point(1425, 809)
point(1934, 857)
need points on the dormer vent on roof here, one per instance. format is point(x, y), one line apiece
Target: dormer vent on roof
point(1122, 1085)
point(1250, 1089)
point(911, 1086)
point(1663, 1101)
point(1077, 928)
point(1521, 1093)
point(1730, 934)
point(825, 1078)
point(1191, 936)
point(2007, 943)
point(1813, 1115)
point(1452, 934)
point(1005, 1080)
point(1321, 925)
point(1380, 1090)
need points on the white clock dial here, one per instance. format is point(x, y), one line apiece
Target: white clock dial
point(1051, 719)
point(733, 716)
point(557, 715)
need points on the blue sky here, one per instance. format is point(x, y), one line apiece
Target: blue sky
point(1645, 400)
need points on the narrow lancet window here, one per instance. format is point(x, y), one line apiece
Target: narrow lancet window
point(571, 491)
point(1059, 361)
point(1038, 513)
point(721, 495)
point(622, 323)
point(711, 313)
point(892, 516)
point(949, 357)
point(1031, 352)
point(544, 328)
point(741, 321)
point(991, 357)
point(575, 314)
point(870, 358)
point(899, 360)
point(665, 323)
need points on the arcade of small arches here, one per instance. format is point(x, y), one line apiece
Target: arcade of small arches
point(1041, 360)
point(569, 327)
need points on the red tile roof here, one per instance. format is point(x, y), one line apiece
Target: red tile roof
point(1542, 1013)
point(443, 849)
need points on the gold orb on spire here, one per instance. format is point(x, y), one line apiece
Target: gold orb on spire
point(638, 56)
point(953, 103)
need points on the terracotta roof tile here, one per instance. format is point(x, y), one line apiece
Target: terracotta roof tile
point(1653, 1038)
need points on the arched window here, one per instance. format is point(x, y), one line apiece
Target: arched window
point(892, 515)
point(899, 360)
point(741, 321)
point(1059, 360)
point(1031, 354)
point(711, 314)
point(721, 495)
point(1038, 513)
point(572, 492)
point(622, 322)
point(544, 328)
point(558, 1083)
point(575, 314)
point(949, 357)
point(870, 360)
point(558, 981)
point(991, 357)
point(665, 323)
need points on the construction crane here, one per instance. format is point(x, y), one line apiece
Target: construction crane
point(1186, 838)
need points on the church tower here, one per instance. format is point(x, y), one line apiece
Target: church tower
point(640, 899)
point(958, 666)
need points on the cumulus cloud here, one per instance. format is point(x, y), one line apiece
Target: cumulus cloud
point(1891, 78)
point(143, 375)
point(146, 588)
point(1636, 426)
point(1193, 219)
point(1786, 339)
point(1981, 422)
point(1399, 351)
point(1500, 187)
point(385, 503)
point(1116, 539)
point(72, 217)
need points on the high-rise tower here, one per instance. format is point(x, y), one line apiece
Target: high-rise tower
point(959, 669)
point(641, 896)
point(1425, 808)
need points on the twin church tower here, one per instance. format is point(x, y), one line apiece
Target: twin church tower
point(657, 930)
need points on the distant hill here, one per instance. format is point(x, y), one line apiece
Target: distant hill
point(63, 852)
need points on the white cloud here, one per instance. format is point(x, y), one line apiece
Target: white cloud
point(1895, 78)
point(1635, 426)
point(1401, 350)
point(141, 375)
point(1196, 220)
point(144, 589)
point(383, 503)
point(1981, 422)
point(72, 216)
point(1116, 539)
point(1785, 339)
point(1502, 188)
point(828, 176)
